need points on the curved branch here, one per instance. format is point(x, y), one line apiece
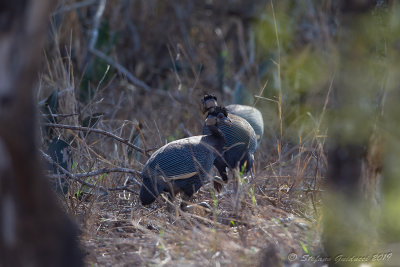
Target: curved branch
point(77, 177)
point(99, 131)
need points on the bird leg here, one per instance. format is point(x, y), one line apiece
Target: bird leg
point(218, 183)
point(205, 205)
point(252, 172)
point(221, 167)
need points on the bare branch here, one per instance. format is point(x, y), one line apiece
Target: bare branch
point(97, 18)
point(120, 68)
point(74, 6)
point(99, 131)
point(77, 177)
point(186, 131)
point(99, 172)
point(107, 59)
point(60, 115)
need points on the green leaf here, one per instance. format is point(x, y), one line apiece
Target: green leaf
point(243, 168)
point(304, 247)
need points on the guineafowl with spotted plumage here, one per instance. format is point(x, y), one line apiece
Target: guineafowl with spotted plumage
point(240, 142)
point(252, 116)
point(182, 166)
point(249, 113)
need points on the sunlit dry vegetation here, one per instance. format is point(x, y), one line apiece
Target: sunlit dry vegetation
point(137, 70)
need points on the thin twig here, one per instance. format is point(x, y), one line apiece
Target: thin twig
point(102, 79)
point(101, 171)
point(131, 25)
point(158, 131)
point(96, 23)
point(266, 98)
point(74, 6)
point(107, 59)
point(77, 177)
point(279, 87)
point(186, 131)
point(260, 94)
point(178, 78)
point(296, 190)
point(60, 115)
point(99, 131)
point(68, 174)
point(120, 68)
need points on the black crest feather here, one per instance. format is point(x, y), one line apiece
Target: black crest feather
point(218, 110)
point(208, 97)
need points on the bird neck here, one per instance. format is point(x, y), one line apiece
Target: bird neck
point(217, 137)
point(210, 109)
point(209, 105)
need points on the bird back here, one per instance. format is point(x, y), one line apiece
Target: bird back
point(240, 138)
point(182, 164)
point(251, 115)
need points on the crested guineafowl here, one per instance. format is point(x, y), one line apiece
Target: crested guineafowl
point(240, 142)
point(249, 113)
point(182, 166)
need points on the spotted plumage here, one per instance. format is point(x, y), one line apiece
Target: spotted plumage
point(240, 142)
point(252, 115)
point(182, 166)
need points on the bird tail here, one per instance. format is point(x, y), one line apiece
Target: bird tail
point(149, 191)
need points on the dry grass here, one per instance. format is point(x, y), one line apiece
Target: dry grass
point(281, 207)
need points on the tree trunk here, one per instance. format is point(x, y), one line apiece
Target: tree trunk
point(34, 231)
point(356, 147)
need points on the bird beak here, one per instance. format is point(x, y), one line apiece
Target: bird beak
point(208, 105)
point(227, 121)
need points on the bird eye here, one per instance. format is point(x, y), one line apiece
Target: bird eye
point(221, 116)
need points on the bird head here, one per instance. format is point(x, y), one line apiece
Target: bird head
point(209, 102)
point(218, 116)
